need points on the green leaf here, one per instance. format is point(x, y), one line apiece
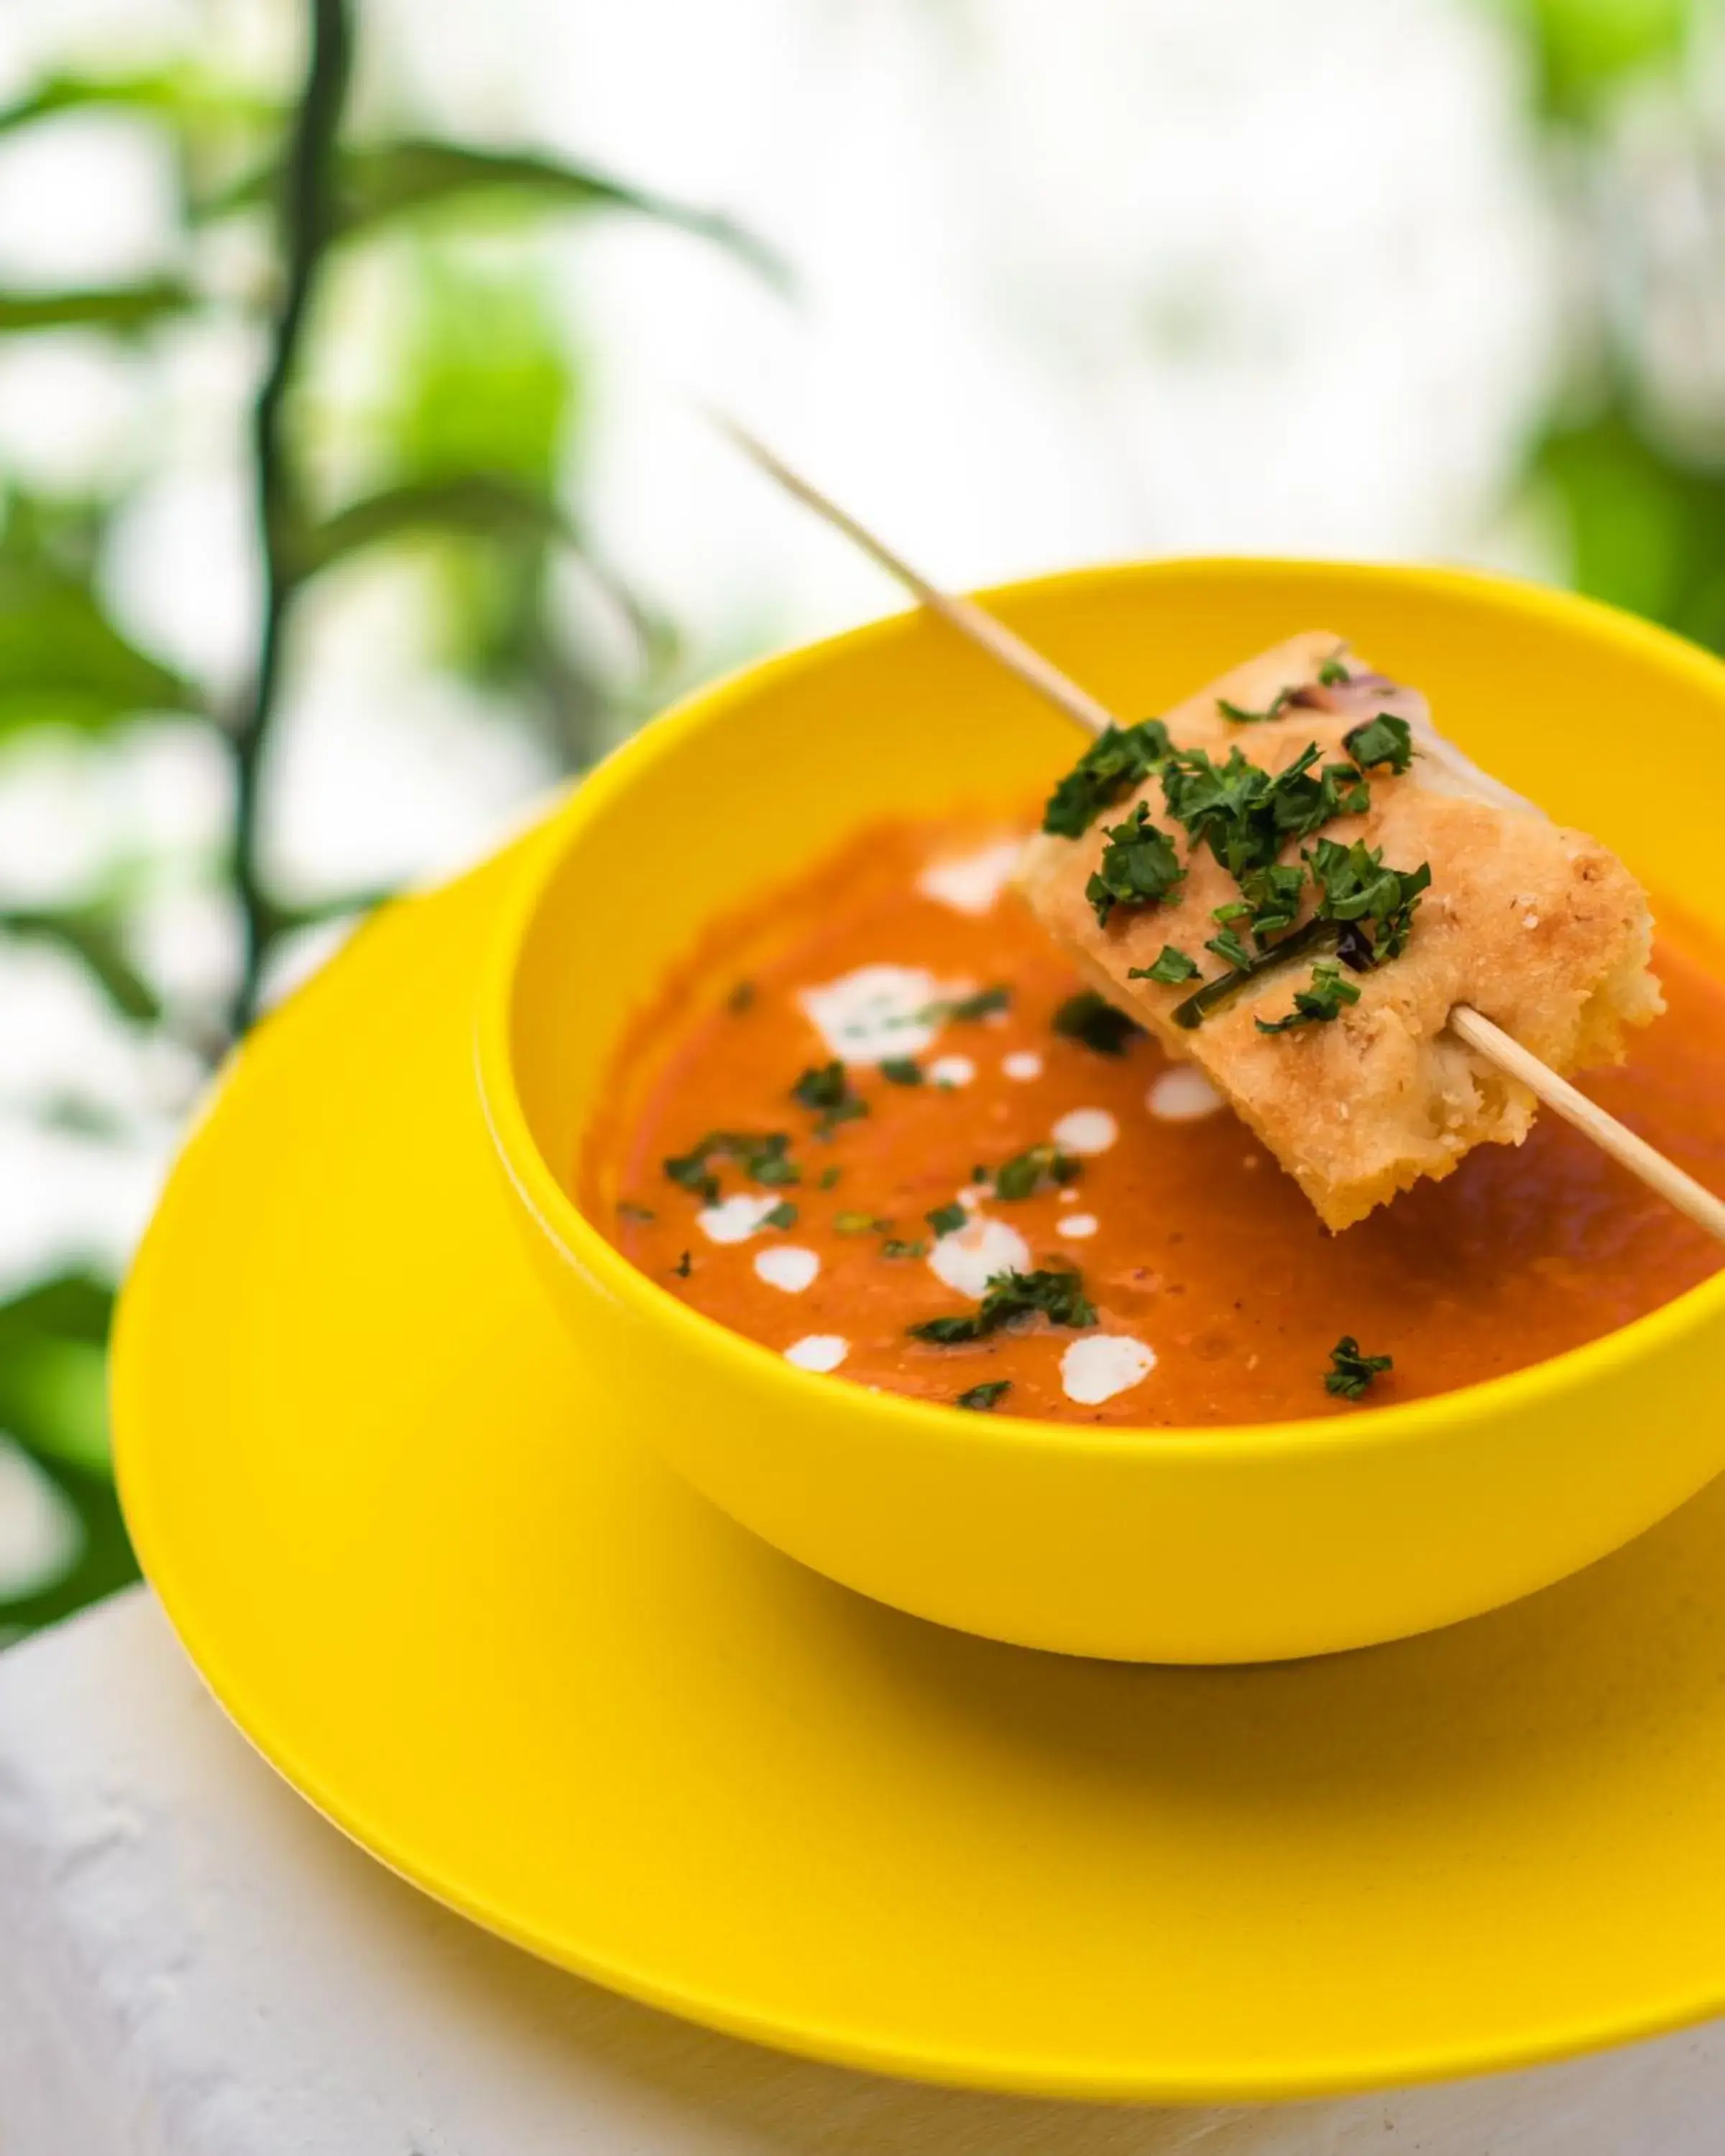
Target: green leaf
point(381, 182)
point(393, 179)
point(1586, 47)
point(74, 1305)
point(54, 1392)
point(473, 505)
point(284, 919)
point(1647, 528)
point(92, 936)
point(484, 379)
point(125, 309)
point(53, 1383)
point(490, 504)
point(177, 94)
point(62, 661)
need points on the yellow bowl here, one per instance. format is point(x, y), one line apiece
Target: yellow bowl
point(1149, 1545)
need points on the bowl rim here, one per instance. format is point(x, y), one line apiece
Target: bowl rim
point(576, 1241)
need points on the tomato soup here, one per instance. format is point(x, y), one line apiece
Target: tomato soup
point(875, 1125)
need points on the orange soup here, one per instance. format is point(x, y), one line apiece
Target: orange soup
point(877, 1126)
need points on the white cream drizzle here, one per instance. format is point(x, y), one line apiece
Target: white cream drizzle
point(1183, 1095)
point(1023, 1064)
point(951, 1070)
point(1085, 1131)
point(968, 1259)
point(878, 1011)
point(971, 883)
point(1094, 1368)
point(1075, 1225)
point(818, 1351)
point(787, 1265)
point(734, 1219)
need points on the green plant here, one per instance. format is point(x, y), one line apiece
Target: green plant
point(461, 466)
point(1635, 476)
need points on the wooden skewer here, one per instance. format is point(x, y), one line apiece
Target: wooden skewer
point(964, 615)
point(1590, 1119)
point(1691, 1198)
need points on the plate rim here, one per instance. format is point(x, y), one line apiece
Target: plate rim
point(1020, 2073)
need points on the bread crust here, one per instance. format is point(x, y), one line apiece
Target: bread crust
point(1540, 928)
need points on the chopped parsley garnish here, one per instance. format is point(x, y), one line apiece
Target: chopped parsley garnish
point(983, 1005)
point(1170, 967)
point(1354, 887)
point(828, 1177)
point(859, 1224)
point(1331, 674)
point(946, 1220)
point(1038, 1167)
point(1278, 703)
point(761, 1156)
point(1385, 739)
point(1058, 1297)
point(986, 1395)
point(1229, 948)
point(762, 1160)
point(826, 1087)
point(1110, 768)
point(783, 1215)
point(690, 1170)
point(1244, 815)
point(627, 1210)
point(1093, 1020)
point(1315, 1004)
point(893, 1248)
point(683, 1267)
point(1364, 914)
point(1138, 867)
point(1350, 1372)
point(1270, 898)
point(901, 1071)
point(1315, 935)
point(740, 998)
point(823, 1085)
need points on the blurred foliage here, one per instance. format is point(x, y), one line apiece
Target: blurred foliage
point(53, 1406)
point(1645, 526)
point(62, 660)
point(1638, 485)
point(1585, 48)
point(462, 472)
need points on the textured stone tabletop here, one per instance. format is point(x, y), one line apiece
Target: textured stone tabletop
point(192, 1963)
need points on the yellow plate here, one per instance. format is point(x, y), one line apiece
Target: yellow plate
point(534, 1672)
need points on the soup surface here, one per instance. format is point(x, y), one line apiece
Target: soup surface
point(964, 1134)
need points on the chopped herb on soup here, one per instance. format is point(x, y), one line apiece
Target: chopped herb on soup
point(1207, 1288)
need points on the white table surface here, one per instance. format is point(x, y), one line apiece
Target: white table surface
point(192, 1963)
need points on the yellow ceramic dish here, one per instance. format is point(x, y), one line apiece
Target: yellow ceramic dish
point(1211, 1546)
point(392, 1517)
